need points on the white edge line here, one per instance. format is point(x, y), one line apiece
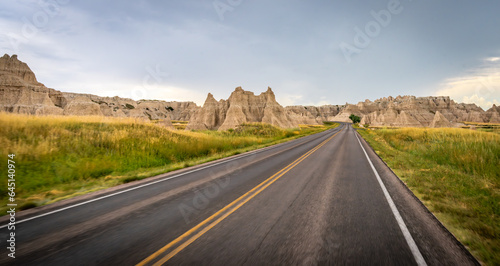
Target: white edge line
point(406, 233)
point(126, 190)
point(134, 188)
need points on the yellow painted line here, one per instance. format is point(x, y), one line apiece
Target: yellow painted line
point(192, 239)
point(236, 203)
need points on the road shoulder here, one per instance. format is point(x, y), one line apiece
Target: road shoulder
point(446, 249)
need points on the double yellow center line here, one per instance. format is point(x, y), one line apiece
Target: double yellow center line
point(174, 247)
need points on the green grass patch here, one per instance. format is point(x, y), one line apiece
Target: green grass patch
point(59, 157)
point(456, 173)
point(180, 125)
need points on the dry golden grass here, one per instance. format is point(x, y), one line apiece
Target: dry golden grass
point(481, 124)
point(62, 156)
point(179, 122)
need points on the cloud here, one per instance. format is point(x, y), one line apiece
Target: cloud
point(481, 86)
point(485, 104)
point(174, 93)
point(107, 49)
point(289, 99)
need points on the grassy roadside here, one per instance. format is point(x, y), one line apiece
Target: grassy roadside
point(456, 174)
point(62, 157)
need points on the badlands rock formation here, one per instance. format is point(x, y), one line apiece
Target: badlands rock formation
point(313, 115)
point(411, 111)
point(20, 92)
point(241, 107)
point(493, 114)
point(440, 121)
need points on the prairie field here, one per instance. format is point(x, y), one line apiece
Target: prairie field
point(456, 174)
point(486, 127)
point(58, 157)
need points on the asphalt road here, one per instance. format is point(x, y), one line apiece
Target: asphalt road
point(321, 199)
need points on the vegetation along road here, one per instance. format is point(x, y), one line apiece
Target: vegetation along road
point(326, 198)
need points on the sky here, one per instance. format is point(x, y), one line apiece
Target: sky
point(308, 52)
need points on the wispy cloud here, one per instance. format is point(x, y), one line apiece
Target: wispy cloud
point(480, 86)
point(107, 48)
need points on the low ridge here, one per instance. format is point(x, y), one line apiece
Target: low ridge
point(20, 92)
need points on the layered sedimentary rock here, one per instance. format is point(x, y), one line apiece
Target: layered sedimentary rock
point(411, 111)
point(11, 66)
point(406, 120)
point(302, 115)
point(20, 92)
point(82, 105)
point(440, 120)
point(211, 116)
point(313, 114)
point(241, 107)
point(343, 115)
point(493, 114)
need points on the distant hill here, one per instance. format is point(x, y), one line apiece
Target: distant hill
point(411, 111)
point(20, 92)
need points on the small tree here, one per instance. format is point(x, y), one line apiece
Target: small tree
point(355, 119)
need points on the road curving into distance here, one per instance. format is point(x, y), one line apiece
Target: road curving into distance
point(321, 199)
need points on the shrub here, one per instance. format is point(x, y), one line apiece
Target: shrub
point(354, 118)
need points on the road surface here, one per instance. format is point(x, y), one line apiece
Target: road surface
point(322, 199)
